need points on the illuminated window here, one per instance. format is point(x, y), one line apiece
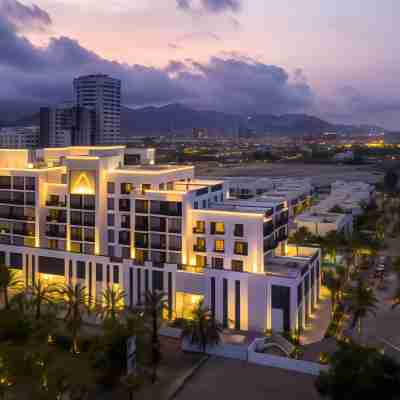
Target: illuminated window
point(217, 228)
point(219, 246)
point(200, 227)
point(200, 244)
point(126, 188)
point(241, 248)
point(186, 303)
point(201, 261)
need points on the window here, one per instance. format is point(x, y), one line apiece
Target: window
point(200, 227)
point(217, 228)
point(124, 205)
point(89, 219)
point(175, 243)
point(99, 272)
point(30, 183)
point(110, 187)
point(217, 263)
point(174, 225)
point(200, 244)
point(111, 251)
point(124, 237)
point(158, 224)
point(239, 230)
point(237, 265)
point(125, 221)
point(125, 252)
point(76, 201)
point(204, 204)
point(141, 240)
point(76, 234)
point(219, 246)
point(111, 235)
point(110, 219)
point(80, 269)
point(240, 248)
point(141, 223)
point(18, 182)
point(142, 206)
point(126, 188)
point(115, 274)
point(201, 261)
point(110, 203)
point(195, 205)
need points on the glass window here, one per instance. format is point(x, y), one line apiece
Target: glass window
point(175, 243)
point(237, 265)
point(141, 240)
point(200, 227)
point(186, 303)
point(201, 261)
point(239, 230)
point(217, 228)
point(110, 187)
point(196, 205)
point(126, 188)
point(111, 251)
point(80, 269)
point(142, 206)
point(200, 244)
point(125, 252)
point(76, 234)
point(110, 203)
point(219, 245)
point(116, 274)
point(76, 201)
point(217, 263)
point(141, 223)
point(111, 235)
point(18, 182)
point(124, 204)
point(76, 218)
point(241, 248)
point(174, 225)
point(30, 183)
point(125, 221)
point(110, 219)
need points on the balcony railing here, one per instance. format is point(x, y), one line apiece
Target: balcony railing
point(199, 231)
point(23, 232)
point(57, 234)
point(53, 203)
point(17, 217)
point(57, 220)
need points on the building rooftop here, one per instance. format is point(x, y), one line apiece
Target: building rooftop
point(287, 267)
point(320, 217)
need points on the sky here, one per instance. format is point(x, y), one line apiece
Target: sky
point(337, 59)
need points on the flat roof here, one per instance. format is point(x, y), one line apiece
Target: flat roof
point(324, 217)
point(287, 267)
point(152, 169)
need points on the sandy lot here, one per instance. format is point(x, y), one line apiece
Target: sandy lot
point(321, 174)
point(221, 378)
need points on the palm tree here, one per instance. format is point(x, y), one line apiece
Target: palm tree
point(333, 283)
point(330, 244)
point(41, 294)
point(203, 329)
point(112, 303)
point(155, 304)
point(8, 281)
point(362, 302)
point(75, 298)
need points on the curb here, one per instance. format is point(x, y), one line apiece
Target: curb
point(181, 382)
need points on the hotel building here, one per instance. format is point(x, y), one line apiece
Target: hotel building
point(110, 216)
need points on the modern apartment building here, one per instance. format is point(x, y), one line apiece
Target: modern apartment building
point(101, 216)
point(102, 94)
point(21, 137)
point(66, 125)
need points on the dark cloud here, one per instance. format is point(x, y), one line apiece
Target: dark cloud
point(24, 17)
point(212, 6)
point(35, 76)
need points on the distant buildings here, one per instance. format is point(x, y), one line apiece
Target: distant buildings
point(66, 125)
point(25, 137)
point(102, 94)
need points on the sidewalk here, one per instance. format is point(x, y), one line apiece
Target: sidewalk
point(319, 320)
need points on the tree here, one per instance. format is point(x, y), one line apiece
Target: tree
point(203, 329)
point(362, 303)
point(358, 372)
point(390, 181)
point(8, 281)
point(337, 209)
point(301, 236)
point(112, 303)
point(41, 294)
point(155, 304)
point(75, 299)
point(133, 382)
point(333, 283)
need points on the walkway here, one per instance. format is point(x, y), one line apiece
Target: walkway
point(319, 320)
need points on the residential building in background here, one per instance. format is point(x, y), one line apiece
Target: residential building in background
point(104, 216)
point(24, 137)
point(66, 125)
point(102, 94)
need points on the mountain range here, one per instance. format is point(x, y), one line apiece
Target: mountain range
point(179, 119)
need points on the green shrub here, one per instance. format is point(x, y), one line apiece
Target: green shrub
point(62, 341)
point(13, 327)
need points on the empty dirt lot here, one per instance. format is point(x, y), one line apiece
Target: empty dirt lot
point(321, 174)
point(221, 378)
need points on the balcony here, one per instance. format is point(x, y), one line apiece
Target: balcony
point(141, 227)
point(55, 203)
point(57, 234)
point(198, 231)
point(199, 249)
point(24, 232)
point(56, 220)
point(192, 268)
point(17, 217)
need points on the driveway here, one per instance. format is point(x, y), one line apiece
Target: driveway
point(221, 378)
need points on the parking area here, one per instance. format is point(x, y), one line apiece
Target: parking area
point(221, 378)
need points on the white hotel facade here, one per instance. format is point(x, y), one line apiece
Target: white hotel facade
point(108, 216)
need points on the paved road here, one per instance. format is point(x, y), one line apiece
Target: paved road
point(221, 378)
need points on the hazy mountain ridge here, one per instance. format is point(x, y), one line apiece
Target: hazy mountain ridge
point(180, 119)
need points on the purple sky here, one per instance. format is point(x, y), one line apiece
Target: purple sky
point(336, 59)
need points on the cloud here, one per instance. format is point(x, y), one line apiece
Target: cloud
point(33, 77)
point(24, 17)
point(211, 6)
point(198, 36)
